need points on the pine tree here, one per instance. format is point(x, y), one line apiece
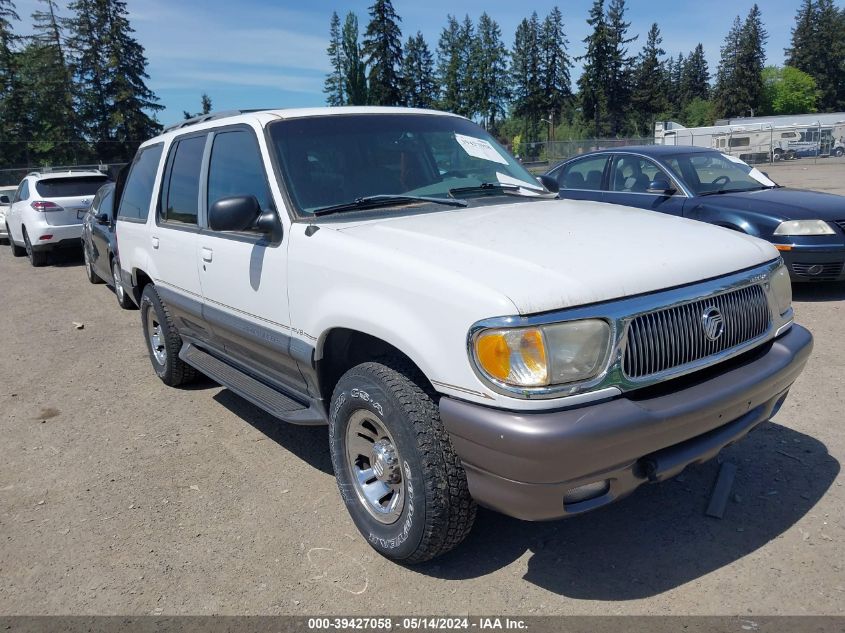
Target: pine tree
point(354, 68)
point(726, 90)
point(619, 66)
point(695, 79)
point(383, 54)
point(455, 70)
point(419, 87)
point(333, 86)
point(14, 125)
point(205, 107)
point(526, 74)
point(818, 49)
point(490, 72)
point(555, 64)
point(49, 91)
point(593, 83)
point(648, 97)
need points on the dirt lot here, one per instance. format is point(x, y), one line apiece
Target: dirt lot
point(121, 496)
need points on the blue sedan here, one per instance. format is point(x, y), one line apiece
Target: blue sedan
point(807, 227)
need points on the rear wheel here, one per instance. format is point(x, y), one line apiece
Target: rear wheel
point(839, 152)
point(93, 277)
point(163, 341)
point(17, 251)
point(401, 481)
point(36, 258)
point(123, 299)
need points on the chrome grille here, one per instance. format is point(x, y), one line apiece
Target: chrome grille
point(818, 272)
point(673, 337)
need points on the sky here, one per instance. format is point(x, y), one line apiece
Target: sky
point(272, 53)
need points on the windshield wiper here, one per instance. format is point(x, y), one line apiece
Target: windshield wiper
point(383, 200)
point(494, 188)
point(718, 191)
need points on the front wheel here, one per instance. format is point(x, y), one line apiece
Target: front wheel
point(93, 277)
point(401, 480)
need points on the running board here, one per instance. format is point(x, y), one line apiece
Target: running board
point(261, 395)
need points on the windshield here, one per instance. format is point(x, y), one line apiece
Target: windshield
point(337, 159)
point(714, 172)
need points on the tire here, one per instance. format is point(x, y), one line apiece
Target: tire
point(123, 299)
point(839, 152)
point(36, 258)
point(428, 509)
point(17, 251)
point(778, 156)
point(163, 341)
point(93, 277)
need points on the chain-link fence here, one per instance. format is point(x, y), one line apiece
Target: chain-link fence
point(540, 154)
point(12, 177)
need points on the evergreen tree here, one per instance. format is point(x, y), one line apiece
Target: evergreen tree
point(383, 54)
point(526, 75)
point(48, 91)
point(619, 66)
point(14, 125)
point(818, 49)
point(726, 93)
point(649, 94)
point(555, 64)
point(333, 86)
point(205, 107)
point(695, 78)
point(454, 70)
point(593, 83)
point(675, 73)
point(354, 68)
point(419, 87)
point(490, 65)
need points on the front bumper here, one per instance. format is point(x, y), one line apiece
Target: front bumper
point(808, 263)
point(525, 464)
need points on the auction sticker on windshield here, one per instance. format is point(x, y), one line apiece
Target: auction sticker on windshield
point(479, 148)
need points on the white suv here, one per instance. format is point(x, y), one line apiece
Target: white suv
point(47, 211)
point(467, 337)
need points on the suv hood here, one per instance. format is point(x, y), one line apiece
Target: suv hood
point(790, 204)
point(554, 254)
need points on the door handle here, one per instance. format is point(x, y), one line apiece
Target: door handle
point(155, 242)
point(207, 254)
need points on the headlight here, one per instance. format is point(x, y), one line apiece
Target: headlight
point(804, 227)
point(782, 288)
point(544, 355)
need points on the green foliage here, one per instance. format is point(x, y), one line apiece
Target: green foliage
point(383, 54)
point(454, 71)
point(698, 112)
point(334, 83)
point(788, 90)
point(419, 86)
point(739, 80)
point(619, 64)
point(592, 85)
point(354, 68)
point(205, 107)
point(650, 87)
point(556, 66)
point(818, 49)
point(489, 60)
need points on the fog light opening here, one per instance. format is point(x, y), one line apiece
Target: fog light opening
point(46, 237)
point(586, 492)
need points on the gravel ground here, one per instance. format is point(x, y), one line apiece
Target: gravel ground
point(119, 495)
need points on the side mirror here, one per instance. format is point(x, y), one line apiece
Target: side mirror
point(549, 183)
point(660, 186)
point(237, 213)
point(5, 200)
point(102, 218)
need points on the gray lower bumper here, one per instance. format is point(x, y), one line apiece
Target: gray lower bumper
point(524, 464)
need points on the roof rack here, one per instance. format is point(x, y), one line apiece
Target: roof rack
point(211, 116)
point(64, 170)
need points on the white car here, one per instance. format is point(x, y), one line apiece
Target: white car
point(47, 211)
point(6, 195)
point(467, 337)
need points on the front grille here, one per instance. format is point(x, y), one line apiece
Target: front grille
point(671, 338)
point(818, 272)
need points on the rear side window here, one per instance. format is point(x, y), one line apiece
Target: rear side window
point(23, 192)
point(138, 192)
point(236, 169)
point(584, 174)
point(180, 196)
point(70, 187)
